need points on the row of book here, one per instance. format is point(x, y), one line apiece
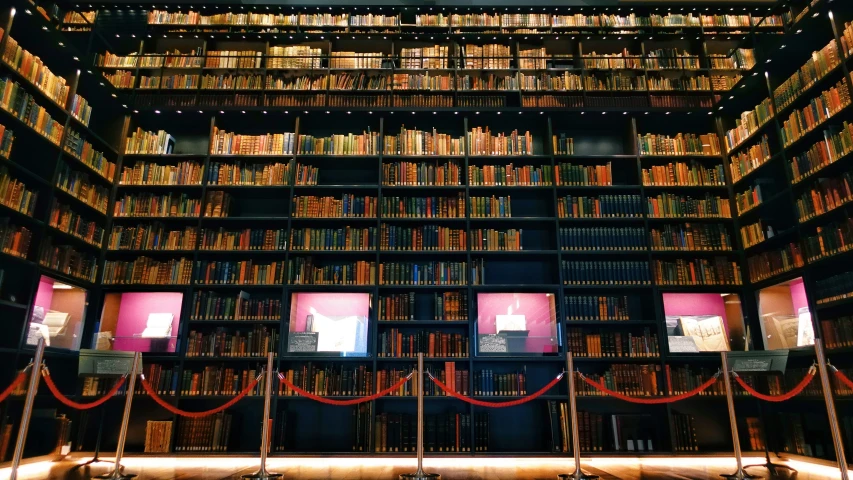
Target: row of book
point(432, 273)
point(610, 344)
point(78, 185)
point(68, 260)
point(217, 204)
point(154, 236)
point(149, 173)
point(304, 271)
point(147, 271)
point(837, 142)
point(597, 308)
point(241, 307)
point(680, 144)
point(716, 271)
point(349, 205)
point(65, 219)
point(253, 173)
point(833, 288)
point(221, 380)
point(330, 380)
point(347, 238)
point(825, 195)
point(341, 144)
point(691, 237)
point(748, 123)
point(6, 139)
point(684, 174)
point(16, 101)
point(818, 111)
point(754, 233)
point(603, 238)
point(84, 151)
point(748, 199)
point(775, 262)
point(14, 240)
point(225, 143)
point(141, 142)
point(222, 342)
point(830, 239)
point(837, 332)
point(36, 72)
point(425, 238)
point(405, 343)
point(444, 173)
point(602, 206)
point(605, 272)
point(510, 175)
point(244, 272)
point(397, 432)
point(447, 306)
point(516, 20)
point(817, 66)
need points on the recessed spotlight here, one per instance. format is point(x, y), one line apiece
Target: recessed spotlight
point(157, 111)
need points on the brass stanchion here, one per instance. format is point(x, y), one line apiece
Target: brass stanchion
point(739, 474)
point(830, 409)
point(117, 473)
point(420, 474)
point(573, 409)
point(262, 473)
point(35, 375)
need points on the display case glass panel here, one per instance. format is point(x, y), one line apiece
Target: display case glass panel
point(58, 313)
point(704, 322)
point(517, 324)
point(786, 321)
point(140, 322)
point(329, 323)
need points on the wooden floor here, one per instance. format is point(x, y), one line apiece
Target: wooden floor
point(219, 468)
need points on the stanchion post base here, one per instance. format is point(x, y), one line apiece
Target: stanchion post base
point(576, 476)
point(116, 475)
point(419, 476)
point(739, 476)
point(92, 462)
point(772, 467)
point(262, 475)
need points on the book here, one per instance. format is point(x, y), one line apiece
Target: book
point(142, 142)
point(68, 260)
point(680, 144)
point(347, 238)
point(602, 206)
point(715, 271)
point(691, 237)
point(432, 273)
point(423, 238)
point(65, 219)
point(207, 434)
point(147, 271)
point(158, 436)
point(149, 173)
point(243, 306)
point(769, 264)
point(304, 271)
point(598, 308)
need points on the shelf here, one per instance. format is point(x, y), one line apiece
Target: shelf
point(73, 197)
point(75, 238)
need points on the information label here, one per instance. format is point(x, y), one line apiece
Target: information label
point(493, 343)
point(302, 342)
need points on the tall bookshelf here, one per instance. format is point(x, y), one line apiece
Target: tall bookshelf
point(603, 125)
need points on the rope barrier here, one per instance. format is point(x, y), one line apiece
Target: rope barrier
point(184, 413)
point(15, 384)
point(651, 401)
point(75, 405)
point(838, 373)
point(342, 403)
point(778, 398)
point(510, 403)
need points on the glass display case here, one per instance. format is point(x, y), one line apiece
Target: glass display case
point(58, 313)
point(329, 323)
point(786, 321)
point(704, 322)
point(139, 322)
point(517, 324)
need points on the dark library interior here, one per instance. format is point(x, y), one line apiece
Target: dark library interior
point(638, 190)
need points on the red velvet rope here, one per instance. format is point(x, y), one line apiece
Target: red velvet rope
point(778, 398)
point(184, 413)
point(838, 373)
point(75, 405)
point(510, 403)
point(15, 383)
point(342, 403)
point(651, 401)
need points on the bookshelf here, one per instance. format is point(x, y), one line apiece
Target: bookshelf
point(337, 145)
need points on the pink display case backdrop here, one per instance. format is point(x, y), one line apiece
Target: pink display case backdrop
point(539, 313)
point(133, 318)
